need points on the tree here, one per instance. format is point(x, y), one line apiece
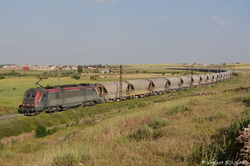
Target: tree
point(79, 69)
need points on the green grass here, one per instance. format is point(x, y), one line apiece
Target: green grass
point(12, 89)
point(178, 109)
point(169, 129)
point(245, 99)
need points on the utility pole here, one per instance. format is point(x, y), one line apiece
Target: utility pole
point(120, 87)
point(192, 70)
point(59, 75)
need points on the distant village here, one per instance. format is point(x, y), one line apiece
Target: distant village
point(50, 67)
point(84, 67)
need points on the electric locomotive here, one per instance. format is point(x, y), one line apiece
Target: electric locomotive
point(58, 98)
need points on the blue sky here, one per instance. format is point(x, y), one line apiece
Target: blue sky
point(124, 31)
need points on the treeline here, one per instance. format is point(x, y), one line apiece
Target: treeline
point(47, 74)
point(98, 66)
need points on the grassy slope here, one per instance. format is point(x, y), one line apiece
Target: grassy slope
point(108, 142)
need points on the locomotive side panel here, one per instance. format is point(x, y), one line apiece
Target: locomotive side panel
point(71, 98)
point(91, 94)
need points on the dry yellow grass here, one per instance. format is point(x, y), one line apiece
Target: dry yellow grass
point(108, 141)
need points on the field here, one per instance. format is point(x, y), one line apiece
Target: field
point(196, 126)
point(14, 86)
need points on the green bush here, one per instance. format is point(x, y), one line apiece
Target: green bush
point(245, 99)
point(94, 77)
point(157, 123)
point(76, 77)
point(41, 131)
point(2, 77)
point(178, 109)
point(142, 133)
point(52, 131)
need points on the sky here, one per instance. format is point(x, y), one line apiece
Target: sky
point(82, 32)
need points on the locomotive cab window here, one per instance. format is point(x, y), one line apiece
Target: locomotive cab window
point(94, 92)
point(30, 95)
point(43, 97)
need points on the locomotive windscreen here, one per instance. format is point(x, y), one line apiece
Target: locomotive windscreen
point(30, 95)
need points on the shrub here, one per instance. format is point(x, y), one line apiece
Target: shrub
point(94, 77)
point(218, 116)
point(245, 99)
point(2, 77)
point(178, 109)
point(142, 133)
point(157, 123)
point(41, 131)
point(76, 77)
point(67, 159)
point(52, 131)
point(158, 134)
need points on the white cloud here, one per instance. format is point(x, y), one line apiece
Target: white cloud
point(218, 21)
point(104, 0)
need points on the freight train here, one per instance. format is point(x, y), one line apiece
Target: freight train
point(58, 98)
